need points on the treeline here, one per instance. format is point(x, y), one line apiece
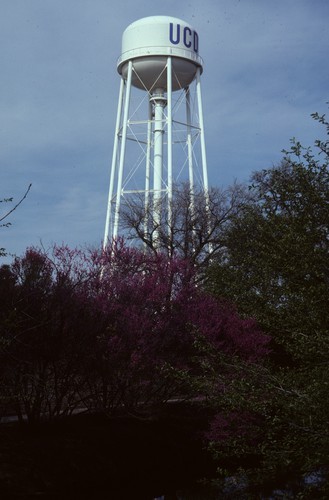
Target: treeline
point(228, 308)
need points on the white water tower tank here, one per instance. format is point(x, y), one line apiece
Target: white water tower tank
point(149, 41)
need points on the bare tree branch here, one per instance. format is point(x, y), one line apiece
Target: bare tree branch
point(17, 205)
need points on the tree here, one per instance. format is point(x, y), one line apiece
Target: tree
point(194, 227)
point(159, 330)
point(275, 268)
point(44, 331)
point(276, 262)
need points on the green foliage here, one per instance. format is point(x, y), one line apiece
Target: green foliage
point(276, 262)
point(276, 269)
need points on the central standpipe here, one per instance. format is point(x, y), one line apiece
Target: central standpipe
point(159, 103)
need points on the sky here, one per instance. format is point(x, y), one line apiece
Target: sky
point(265, 71)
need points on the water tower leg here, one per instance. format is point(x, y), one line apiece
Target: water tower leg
point(189, 140)
point(203, 153)
point(190, 158)
point(148, 171)
point(108, 221)
point(122, 152)
point(169, 145)
point(202, 139)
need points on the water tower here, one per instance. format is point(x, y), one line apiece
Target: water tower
point(159, 132)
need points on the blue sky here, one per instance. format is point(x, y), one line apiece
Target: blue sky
point(265, 72)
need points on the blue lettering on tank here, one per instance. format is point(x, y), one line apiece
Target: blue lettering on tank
point(195, 42)
point(171, 34)
point(187, 37)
